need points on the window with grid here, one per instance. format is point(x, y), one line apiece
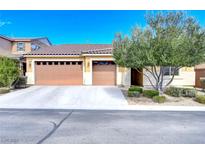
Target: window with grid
point(20, 46)
point(170, 71)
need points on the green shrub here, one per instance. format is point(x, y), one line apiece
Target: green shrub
point(9, 71)
point(200, 99)
point(133, 94)
point(150, 93)
point(188, 92)
point(178, 92)
point(21, 82)
point(4, 90)
point(159, 99)
point(173, 91)
point(135, 88)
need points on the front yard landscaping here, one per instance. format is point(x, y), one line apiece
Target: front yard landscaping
point(174, 96)
point(10, 78)
point(4, 90)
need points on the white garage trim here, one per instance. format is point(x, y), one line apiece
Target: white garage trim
point(99, 59)
point(44, 59)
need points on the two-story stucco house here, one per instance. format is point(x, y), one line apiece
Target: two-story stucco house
point(79, 64)
point(16, 47)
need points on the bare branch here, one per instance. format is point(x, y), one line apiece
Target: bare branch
point(155, 70)
point(162, 77)
point(147, 78)
point(152, 73)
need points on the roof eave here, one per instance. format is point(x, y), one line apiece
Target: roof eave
point(64, 55)
point(44, 55)
point(100, 54)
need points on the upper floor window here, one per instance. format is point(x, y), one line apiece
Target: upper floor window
point(34, 47)
point(170, 71)
point(20, 46)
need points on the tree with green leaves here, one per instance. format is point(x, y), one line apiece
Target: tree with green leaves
point(9, 71)
point(170, 39)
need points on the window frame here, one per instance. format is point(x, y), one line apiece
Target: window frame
point(34, 47)
point(23, 47)
point(170, 72)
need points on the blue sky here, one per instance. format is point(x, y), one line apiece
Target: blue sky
point(65, 27)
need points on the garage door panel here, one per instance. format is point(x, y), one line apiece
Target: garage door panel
point(104, 74)
point(200, 73)
point(104, 68)
point(59, 74)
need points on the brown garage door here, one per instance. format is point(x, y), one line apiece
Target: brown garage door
point(200, 73)
point(58, 73)
point(104, 73)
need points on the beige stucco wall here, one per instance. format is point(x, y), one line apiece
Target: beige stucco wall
point(186, 77)
point(122, 74)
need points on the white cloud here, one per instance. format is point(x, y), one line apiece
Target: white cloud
point(3, 23)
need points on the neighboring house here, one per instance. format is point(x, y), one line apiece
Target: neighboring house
point(77, 64)
point(16, 47)
point(200, 74)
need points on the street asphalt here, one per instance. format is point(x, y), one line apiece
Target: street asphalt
point(84, 126)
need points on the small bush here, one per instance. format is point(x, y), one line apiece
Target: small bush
point(200, 99)
point(159, 99)
point(150, 93)
point(133, 94)
point(188, 92)
point(21, 82)
point(9, 71)
point(135, 88)
point(4, 90)
point(178, 92)
point(174, 91)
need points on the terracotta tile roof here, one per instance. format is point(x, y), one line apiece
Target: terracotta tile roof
point(74, 49)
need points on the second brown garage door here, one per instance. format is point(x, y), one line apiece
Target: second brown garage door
point(58, 73)
point(200, 73)
point(104, 73)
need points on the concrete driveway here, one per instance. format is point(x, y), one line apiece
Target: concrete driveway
point(64, 97)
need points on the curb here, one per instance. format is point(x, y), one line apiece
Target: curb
point(166, 108)
point(120, 108)
point(145, 108)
